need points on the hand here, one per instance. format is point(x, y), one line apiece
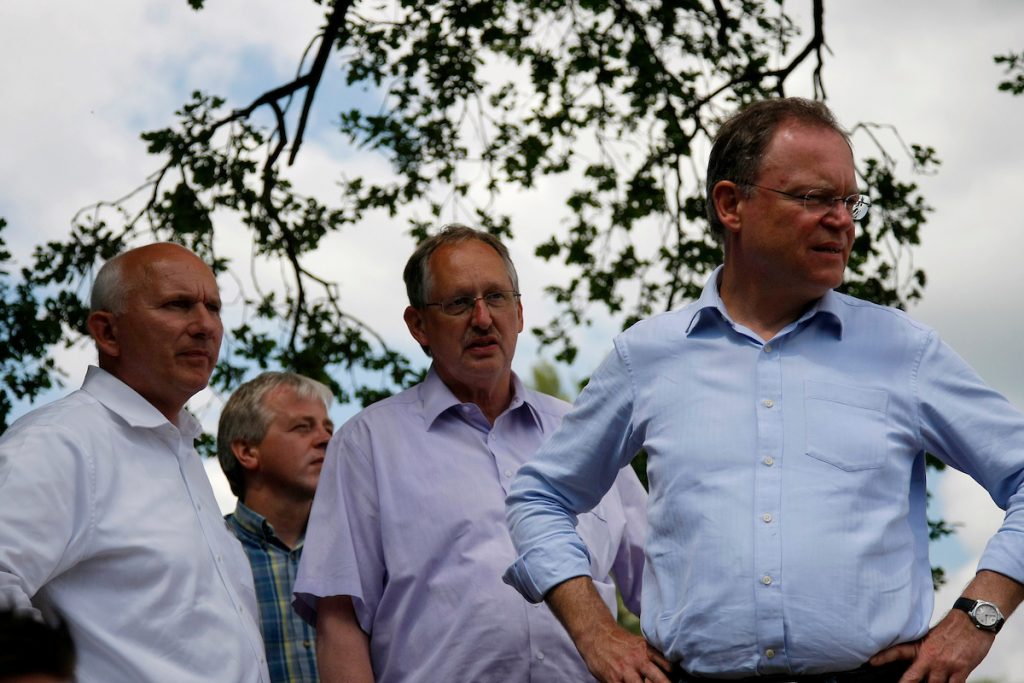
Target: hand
point(948, 653)
point(614, 655)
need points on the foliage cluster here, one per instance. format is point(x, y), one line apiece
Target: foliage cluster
point(612, 99)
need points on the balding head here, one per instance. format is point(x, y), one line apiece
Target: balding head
point(156, 321)
point(111, 287)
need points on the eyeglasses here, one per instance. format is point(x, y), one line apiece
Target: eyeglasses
point(459, 305)
point(820, 202)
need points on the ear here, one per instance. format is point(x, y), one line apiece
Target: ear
point(103, 328)
point(519, 312)
point(727, 199)
point(414, 321)
point(248, 456)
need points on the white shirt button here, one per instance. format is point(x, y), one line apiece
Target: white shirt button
point(540, 656)
point(768, 461)
point(766, 517)
point(767, 348)
point(769, 653)
point(508, 473)
point(767, 403)
point(766, 580)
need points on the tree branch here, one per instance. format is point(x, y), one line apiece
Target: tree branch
point(316, 72)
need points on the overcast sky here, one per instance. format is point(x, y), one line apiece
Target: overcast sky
point(81, 80)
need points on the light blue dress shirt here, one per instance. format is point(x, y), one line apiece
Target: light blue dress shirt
point(787, 528)
point(409, 520)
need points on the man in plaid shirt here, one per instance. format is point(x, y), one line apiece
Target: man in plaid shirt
point(271, 441)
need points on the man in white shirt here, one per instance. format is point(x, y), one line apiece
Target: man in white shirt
point(106, 514)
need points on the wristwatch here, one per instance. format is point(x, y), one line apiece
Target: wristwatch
point(984, 614)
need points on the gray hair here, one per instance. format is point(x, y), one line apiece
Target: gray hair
point(108, 290)
point(247, 418)
point(417, 275)
point(741, 142)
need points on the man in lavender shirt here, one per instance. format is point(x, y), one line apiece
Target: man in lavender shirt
point(407, 541)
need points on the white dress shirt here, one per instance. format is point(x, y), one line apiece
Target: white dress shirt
point(107, 517)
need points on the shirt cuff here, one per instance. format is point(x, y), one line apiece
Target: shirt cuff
point(539, 570)
point(1001, 556)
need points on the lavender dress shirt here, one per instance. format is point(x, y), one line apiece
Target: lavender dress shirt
point(409, 520)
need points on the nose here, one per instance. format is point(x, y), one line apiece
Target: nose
point(325, 437)
point(838, 216)
point(204, 322)
point(480, 316)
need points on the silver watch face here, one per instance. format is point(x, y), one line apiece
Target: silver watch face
point(986, 614)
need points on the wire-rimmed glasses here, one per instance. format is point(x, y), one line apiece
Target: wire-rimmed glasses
point(820, 202)
point(460, 305)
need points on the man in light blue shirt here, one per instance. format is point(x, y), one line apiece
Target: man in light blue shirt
point(786, 427)
point(407, 540)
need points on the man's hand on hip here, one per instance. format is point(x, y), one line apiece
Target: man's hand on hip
point(949, 652)
point(613, 654)
point(955, 647)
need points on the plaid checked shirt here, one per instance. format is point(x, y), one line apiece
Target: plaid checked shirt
point(290, 642)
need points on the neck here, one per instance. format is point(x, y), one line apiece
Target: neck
point(491, 404)
point(288, 516)
point(492, 398)
point(762, 309)
point(170, 410)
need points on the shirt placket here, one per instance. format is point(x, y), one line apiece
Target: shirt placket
point(191, 469)
point(506, 463)
point(768, 594)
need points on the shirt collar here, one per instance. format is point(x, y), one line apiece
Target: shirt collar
point(253, 522)
point(437, 398)
point(709, 308)
point(124, 401)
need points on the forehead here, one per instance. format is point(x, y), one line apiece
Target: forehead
point(284, 401)
point(468, 264)
point(809, 153)
point(174, 273)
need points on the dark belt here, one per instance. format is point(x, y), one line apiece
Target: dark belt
point(887, 673)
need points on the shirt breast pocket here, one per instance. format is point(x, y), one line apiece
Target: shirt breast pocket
point(845, 426)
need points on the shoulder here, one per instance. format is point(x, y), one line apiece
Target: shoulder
point(404, 404)
point(400, 414)
point(73, 417)
point(660, 329)
point(869, 317)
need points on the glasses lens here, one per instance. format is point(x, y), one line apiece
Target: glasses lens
point(859, 205)
point(818, 202)
point(497, 299)
point(458, 305)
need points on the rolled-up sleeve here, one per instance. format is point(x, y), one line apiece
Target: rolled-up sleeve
point(569, 475)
